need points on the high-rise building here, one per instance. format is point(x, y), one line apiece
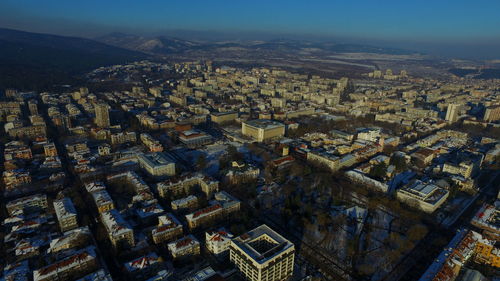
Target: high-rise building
point(452, 113)
point(102, 115)
point(33, 107)
point(263, 254)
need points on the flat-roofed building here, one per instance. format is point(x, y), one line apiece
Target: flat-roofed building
point(119, 231)
point(425, 196)
point(66, 214)
point(223, 117)
point(184, 247)
point(194, 138)
point(157, 164)
point(262, 129)
point(168, 229)
point(324, 158)
point(102, 115)
point(263, 254)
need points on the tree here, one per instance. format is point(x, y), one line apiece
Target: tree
point(201, 163)
point(416, 232)
point(399, 163)
point(379, 171)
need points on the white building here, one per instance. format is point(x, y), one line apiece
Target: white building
point(262, 254)
point(217, 242)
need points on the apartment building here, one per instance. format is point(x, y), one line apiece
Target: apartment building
point(66, 214)
point(33, 202)
point(184, 247)
point(168, 228)
point(119, 232)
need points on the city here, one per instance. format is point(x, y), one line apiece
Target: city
point(214, 165)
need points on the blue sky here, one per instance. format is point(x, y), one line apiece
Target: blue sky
point(418, 21)
point(385, 19)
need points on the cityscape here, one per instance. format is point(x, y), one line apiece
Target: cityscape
point(247, 152)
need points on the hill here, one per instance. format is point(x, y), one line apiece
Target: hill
point(38, 61)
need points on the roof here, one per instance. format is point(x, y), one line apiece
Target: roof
point(114, 223)
point(245, 243)
point(66, 264)
point(264, 124)
point(156, 159)
point(142, 262)
point(183, 243)
point(64, 208)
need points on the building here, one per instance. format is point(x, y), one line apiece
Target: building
point(452, 113)
point(103, 201)
point(262, 129)
point(223, 117)
point(28, 131)
point(50, 150)
point(425, 196)
point(229, 204)
point(194, 138)
point(205, 217)
point(466, 245)
point(492, 113)
point(262, 254)
point(76, 238)
point(119, 232)
point(324, 158)
point(184, 247)
point(143, 267)
point(66, 214)
point(152, 144)
point(168, 229)
point(35, 202)
point(187, 203)
point(102, 115)
point(157, 164)
point(217, 242)
point(241, 173)
point(71, 268)
point(185, 185)
point(123, 137)
point(487, 219)
point(94, 186)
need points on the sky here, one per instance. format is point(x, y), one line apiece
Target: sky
point(403, 22)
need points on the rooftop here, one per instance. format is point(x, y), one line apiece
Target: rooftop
point(264, 124)
point(256, 243)
point(64, 208)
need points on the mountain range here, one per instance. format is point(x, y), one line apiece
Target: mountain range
point(164, 45)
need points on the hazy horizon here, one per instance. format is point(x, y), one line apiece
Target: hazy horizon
point(449, 28)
